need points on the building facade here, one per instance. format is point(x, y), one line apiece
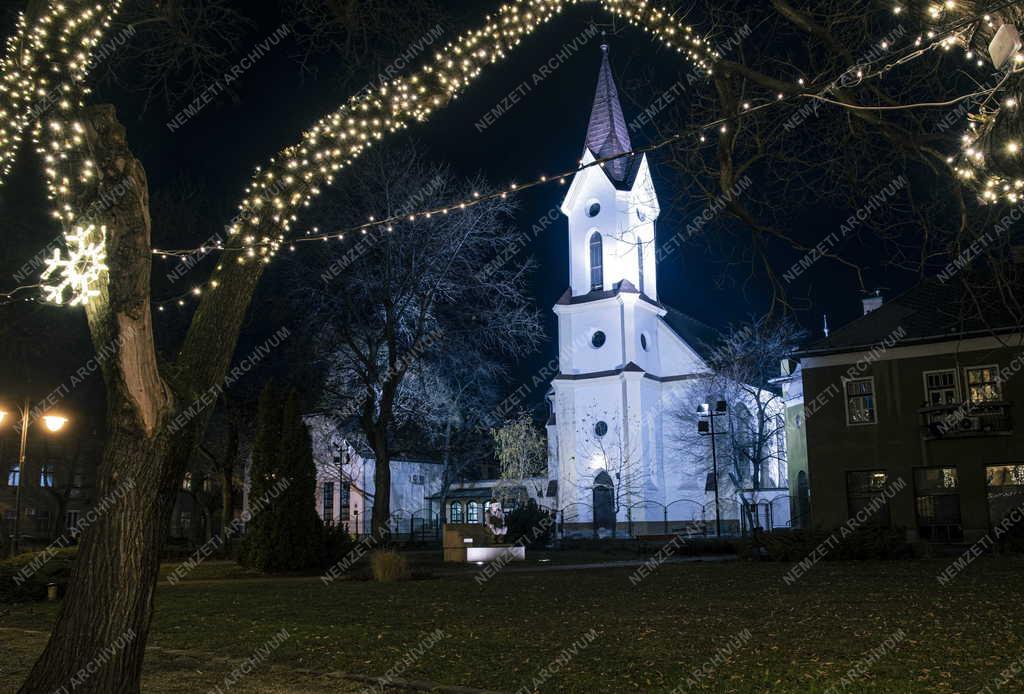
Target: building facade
point(345, 485)
point(58, 484)
point(909, 414)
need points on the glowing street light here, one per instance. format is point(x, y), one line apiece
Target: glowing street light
point(53, 423)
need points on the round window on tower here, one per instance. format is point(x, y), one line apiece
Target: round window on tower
point(601, 428)
point(598, 339)
point(643, 341)
point(593, 208)
point(641, 215)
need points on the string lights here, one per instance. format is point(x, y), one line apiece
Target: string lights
point(40, 71)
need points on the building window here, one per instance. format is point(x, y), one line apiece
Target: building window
point(643, 342)
point(596, 263)
point(185, 521)
point(207, 485)
point(77, 480)
point(473, 512)
point(71, 521)
point(455, 513)
point(328, 502)
point(346, 497)
point(863, 497)
point(983, 384)
point(937, 492)
point(186, 482)
point(598, 339)
point(860, 401)
point(1005, 485)
point(940, 387)
point(601, 428)
point(593, 209)
point(43, 522)
point(640, 263)
point(14, 476)
point(418, 479)
point(46, 475)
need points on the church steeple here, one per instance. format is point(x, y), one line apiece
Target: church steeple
point(607, 133)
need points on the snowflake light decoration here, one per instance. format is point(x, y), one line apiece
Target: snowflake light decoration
point(80, 271)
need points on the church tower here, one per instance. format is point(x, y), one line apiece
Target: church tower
point(611, 206)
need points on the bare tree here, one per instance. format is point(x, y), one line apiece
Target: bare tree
point(386, 311)
point(838, 151)
point(607, 448)
point(750, 433)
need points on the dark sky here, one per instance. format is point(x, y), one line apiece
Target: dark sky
point(213, 154)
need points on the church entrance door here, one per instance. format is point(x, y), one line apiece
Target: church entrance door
point(604, 502)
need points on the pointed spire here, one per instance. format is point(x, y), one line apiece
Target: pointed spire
point(607, 134)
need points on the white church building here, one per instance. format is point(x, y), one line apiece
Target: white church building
point(620, 442)
point(624, 453)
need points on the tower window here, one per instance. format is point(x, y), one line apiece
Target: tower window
point(598, 339)
point(601, 428)
point(596, 263)
point(643, 341)
point(593, 209)
point(640, 263)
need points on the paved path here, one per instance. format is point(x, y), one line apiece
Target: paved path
point(619, 564)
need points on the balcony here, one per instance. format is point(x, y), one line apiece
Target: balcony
point(964, 420)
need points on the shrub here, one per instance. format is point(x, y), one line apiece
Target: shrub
point(52, 569)
point(862, 543)
point(389, 566)
point(337, 544)
point(286, 534)
point(530, 524)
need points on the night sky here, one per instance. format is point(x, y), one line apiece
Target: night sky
point(212, 157)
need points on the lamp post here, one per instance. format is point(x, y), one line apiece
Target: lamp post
point(706, 427)
point(54, 423)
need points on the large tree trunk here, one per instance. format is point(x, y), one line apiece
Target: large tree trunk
point(380, 526)
point(227, 510)
point(99, 639)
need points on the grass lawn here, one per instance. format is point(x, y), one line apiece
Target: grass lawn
point(649, 637)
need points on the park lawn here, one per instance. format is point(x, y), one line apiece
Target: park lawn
point(649, 637)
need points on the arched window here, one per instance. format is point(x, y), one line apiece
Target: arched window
point(14, 476)
point(186, 482)
point(455, 512)
point(473, 512)
point(46, 475)
point(596, 262)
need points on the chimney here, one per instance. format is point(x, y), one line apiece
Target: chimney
point(872, 303)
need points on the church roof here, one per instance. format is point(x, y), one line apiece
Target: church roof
point(607, 134)
point(702, 338)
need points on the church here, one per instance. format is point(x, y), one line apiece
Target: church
point(624, 452)
point(621, 436)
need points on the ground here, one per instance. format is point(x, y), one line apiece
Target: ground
point(521, 626)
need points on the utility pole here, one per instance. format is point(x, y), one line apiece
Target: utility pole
point(21, 475)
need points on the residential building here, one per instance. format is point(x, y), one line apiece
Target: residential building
point(909, 415)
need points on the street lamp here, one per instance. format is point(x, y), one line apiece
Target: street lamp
point(706, 427)
point(53, 423)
